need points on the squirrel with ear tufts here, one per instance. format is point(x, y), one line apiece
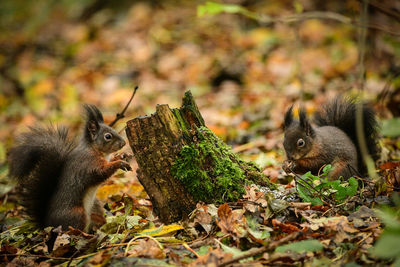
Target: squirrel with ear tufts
point(332, 140)
point(58, 177)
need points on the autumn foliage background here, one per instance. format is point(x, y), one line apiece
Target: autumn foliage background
point(243, 73)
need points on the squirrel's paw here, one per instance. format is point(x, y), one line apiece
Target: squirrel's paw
point(123, 165)
point(123, 156)
point(126, 156)
point(288, 166)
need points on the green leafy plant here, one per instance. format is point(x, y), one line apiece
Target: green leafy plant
point(391, 127)
point(387, 246)
point(315, 189)
point(301, 246)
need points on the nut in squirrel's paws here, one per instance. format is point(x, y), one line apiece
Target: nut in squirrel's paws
point(288, 166)
point(124, 166)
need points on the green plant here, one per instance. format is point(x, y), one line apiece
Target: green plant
point(317, 189)
point(311, 245)
point(387, 246)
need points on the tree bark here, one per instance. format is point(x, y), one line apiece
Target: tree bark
point(161, 144)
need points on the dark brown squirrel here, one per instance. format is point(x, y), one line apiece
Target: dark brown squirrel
point(332, 140)
point(58, 177)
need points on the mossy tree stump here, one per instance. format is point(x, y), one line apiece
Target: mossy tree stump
point(182, 162)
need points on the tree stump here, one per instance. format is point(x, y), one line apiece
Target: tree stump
point(182, 162)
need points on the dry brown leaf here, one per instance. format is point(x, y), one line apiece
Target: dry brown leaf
point(61, 245)
point(285, 227)
point(147, 248)
point(231, 222)
point(22, 262)
point(212, 258)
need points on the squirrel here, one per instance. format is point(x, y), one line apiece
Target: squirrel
point(58, 177)
point(332, 140)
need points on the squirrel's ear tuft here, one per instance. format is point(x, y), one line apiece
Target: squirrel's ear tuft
point(305, 123)
point(288, 117)
point(91, 130)
point(93, 120)
point(93, 113)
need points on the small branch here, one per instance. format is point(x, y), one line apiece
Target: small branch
point(361, 79)
point(315, 15)
point(122, 114)
point(382, 8)
point(51, 257)
point(199, 243)
point(34, 256)
point(362, 37)
point(185, 245)
point(268, 247)
point(322, 15)
point(142, 236)
point(297, 50)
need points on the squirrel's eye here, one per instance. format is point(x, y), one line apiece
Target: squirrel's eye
point(300, 143)
point(107, 136)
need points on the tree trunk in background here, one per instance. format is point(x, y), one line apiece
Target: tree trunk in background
point(180, 161)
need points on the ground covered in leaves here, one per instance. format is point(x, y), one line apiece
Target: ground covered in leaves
point(245, 64)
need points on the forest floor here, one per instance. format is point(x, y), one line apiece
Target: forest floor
point(244, 73)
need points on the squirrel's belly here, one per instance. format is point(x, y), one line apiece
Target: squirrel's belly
point(88, 200)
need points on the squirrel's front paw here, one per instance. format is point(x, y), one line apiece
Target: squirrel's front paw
point(126, 156)
point(123, 156)
point(288, 166)
point(123, 165)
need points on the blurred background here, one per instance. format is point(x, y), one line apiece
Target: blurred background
point(245, 62)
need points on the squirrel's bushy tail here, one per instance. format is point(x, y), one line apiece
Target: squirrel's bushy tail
point(37, 161)
point(341, 113)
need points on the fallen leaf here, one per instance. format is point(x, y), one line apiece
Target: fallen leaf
point(147, 248)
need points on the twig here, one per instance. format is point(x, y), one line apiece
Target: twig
point(382, 8)
point(362, 37)
point(34, 256)
point(300, 205)
point(185, 245)
point(322, 15)
point(368, 235)
point(90, 241)
point(297, 51)
point(141, 236)
point(265, 248)
point(50, 257)
point(122, 114)
point(305, 184)
point(200, 243)
point(359, 107)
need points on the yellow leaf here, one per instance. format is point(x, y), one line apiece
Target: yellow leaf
point(162, 230)
point(260, 35)
point(69, 98)
point(106, 190)
point(43, 87)
point(136, 189)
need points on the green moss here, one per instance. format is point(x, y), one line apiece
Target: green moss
point(181, 120)
point(207, 170)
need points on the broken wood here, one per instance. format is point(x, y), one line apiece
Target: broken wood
point(182, 162)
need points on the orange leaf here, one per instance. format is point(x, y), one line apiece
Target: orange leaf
point(389, 165)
